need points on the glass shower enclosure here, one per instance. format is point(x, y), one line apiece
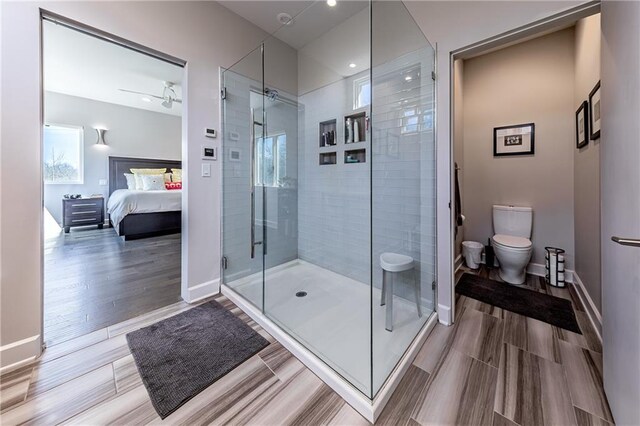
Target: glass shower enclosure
point(329, 185)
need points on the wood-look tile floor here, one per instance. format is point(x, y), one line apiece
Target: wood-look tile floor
point(491, 368)
point(94, 279)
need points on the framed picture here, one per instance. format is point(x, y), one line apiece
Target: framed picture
point(594, 111)
point(514, 140)
point(582, 125)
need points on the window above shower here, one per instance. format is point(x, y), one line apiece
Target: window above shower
point(361, 92)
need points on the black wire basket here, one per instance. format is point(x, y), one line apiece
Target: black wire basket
point(554, 266)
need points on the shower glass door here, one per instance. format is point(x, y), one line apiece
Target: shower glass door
point(243, 174)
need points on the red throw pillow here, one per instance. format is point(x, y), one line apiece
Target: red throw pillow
point(173, 185)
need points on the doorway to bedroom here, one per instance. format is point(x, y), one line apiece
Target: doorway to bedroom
point(112, 190)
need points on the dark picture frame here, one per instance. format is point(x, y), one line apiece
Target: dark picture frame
point(594, 112)
point(582, 124)
point(517, 139)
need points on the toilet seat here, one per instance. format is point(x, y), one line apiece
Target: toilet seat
point(512, 242)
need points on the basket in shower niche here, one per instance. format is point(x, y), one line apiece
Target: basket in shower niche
point(554, 266)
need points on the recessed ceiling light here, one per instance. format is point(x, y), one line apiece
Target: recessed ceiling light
point(332, 3)
point(352, 65)
point(285, 18)
point(408, 78)
point(145, 99)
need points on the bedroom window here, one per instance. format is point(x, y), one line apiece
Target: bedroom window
point(271, 160)
point(63, 154)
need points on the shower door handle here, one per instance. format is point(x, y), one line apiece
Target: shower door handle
point(252, 184)
point(626, 241)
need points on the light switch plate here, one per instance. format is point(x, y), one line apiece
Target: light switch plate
point(102, 182)
point(206, 170)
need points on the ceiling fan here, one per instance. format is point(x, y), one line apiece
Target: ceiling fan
point(168, 97)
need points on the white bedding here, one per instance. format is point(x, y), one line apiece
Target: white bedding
point(127, 201)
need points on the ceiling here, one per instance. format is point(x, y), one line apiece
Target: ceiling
point(311, 19)
point(80, 65)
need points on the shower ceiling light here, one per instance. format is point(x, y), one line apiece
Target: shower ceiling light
point(285, 18)
point(408, 78)
point(352, 65)
point(332, 3)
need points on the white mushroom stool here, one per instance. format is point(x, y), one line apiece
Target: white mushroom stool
point(392, 263)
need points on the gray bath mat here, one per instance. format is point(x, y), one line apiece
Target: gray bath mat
point(544, 307)
point(180, 356)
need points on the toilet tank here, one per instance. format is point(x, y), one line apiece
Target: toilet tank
point(512, 220)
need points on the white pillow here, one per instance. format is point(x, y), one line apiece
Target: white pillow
point(131, 181)
point(153, 182)
point(138, 179)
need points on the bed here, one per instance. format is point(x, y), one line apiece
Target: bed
point(141, 214)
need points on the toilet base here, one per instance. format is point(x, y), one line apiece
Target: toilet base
point(513, 277)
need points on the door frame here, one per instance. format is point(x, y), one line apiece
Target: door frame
point(74, 25)
point(517, 35)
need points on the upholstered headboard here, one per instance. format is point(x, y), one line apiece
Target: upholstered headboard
point(118, 166)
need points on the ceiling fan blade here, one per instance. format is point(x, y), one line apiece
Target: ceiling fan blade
point(141, 93)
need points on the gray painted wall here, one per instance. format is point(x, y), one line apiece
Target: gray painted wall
point(131, 132)
point(586, 172)
point(528, 82)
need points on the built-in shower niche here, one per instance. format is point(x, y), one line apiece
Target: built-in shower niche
point(355, 156)
point(327, 158)
point(358, 125)
point(327, 134)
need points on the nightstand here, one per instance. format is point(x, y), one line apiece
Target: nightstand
point(82, 212)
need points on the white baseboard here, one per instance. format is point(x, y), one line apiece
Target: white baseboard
point(444, 314)
point(590, 308)
point(366, 407)
point(539, 270)
point(202, 291)
point(15, 355)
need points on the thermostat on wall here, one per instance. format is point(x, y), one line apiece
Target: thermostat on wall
point(209, 153)
point(210, 133)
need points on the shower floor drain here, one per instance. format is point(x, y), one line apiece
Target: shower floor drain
point(301, 294)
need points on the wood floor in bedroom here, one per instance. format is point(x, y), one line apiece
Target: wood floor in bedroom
point(94, 279)
point(491, 368)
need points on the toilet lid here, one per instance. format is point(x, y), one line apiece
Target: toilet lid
point(511, 241)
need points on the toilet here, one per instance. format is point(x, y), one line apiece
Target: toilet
point(511, 243)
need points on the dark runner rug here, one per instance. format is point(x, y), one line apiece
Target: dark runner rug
point(544, 307)
point(182, 355)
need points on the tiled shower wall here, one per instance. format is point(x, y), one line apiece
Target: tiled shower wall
point(335, 200)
